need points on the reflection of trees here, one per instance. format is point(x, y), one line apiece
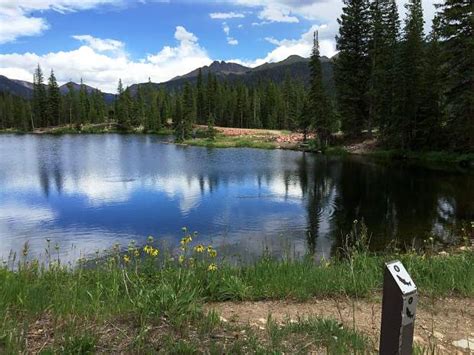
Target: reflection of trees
point(317, 176)
point(396, 202)
point(50, 165)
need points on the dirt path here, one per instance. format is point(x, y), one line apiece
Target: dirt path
point(440, 323)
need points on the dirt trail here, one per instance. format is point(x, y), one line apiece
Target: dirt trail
point(439, 323)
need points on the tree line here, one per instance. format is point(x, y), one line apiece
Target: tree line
point(410, 89)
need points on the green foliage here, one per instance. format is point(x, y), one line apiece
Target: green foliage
point(352, 65)
point(320, 104)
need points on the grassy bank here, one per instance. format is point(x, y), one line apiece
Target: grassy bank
point(87, 129)
point(152, 299)
point(222, 141)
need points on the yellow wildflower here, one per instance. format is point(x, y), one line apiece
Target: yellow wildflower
point(181, 259)
point(126, 258)
point(186, 240)
point(147, 249)
point(212, 252)
point(199, 248)
point(212, 267)
point(154, 252)
point(136, 252)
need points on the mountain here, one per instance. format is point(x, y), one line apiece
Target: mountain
point(109, 98)
point(294, 66)
point(25, 88)
point(218, 68)
point(16, 87)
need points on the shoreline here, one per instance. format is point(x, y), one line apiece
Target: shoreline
point(270, 141)
point(187, 306)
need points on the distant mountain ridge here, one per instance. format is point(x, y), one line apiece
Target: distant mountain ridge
point(294, 66)
point(25, 89)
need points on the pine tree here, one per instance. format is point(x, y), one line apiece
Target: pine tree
point(382, 52)
point(386, 69)
point(40, 103)
point(54, 100)
point(188, 111)
point(352, 66)
point(457, 36)
point(305, 118)
point(178, 120)
point(431, 107)
point(200, 99)
point(122, 107)
point(83, 103)
point(319, 101)
point(411, 81)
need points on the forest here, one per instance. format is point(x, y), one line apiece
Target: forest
point(413, 91)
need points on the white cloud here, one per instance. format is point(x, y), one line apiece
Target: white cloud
point(301, 46)
point(277, 13)
point(225, 15)
point(20, 22)
point(226, 28)
point(232, 41)
point(100, 45)
point(103, 69)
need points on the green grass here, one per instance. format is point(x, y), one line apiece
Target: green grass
point(150, 299)
point(222, 141)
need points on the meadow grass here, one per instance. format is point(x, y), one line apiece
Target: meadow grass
point(222, 141)
point(152, 299)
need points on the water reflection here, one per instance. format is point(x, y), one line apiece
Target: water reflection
point(89, 192)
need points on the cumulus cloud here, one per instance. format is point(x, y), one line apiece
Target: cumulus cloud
point(100, 45)
point(301, 46)
point(102, 68)
point(277, 13)
point(20, 22)
point(225, 15)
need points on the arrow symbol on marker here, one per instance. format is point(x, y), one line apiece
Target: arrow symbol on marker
point(409, 314)
point(403, 281)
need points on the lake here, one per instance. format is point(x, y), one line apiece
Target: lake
point(88, 192)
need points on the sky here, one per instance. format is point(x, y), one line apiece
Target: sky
point(101, 41)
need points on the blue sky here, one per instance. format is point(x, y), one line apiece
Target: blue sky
point(103, 40)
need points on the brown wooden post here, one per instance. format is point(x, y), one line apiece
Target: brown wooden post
point(399, 301)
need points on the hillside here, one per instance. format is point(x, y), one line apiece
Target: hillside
point(295, 67)
point(25, 89)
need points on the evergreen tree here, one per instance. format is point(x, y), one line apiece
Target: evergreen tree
point(40, 100)
point(305, 118)
point(83, 103)
point(384, 32)
point(200, 100)
point(352, 66)
point(178, 120)
point(431, 107)
point(319, 101)
point(188, 111)
point(122, 106)
point(411, 79)
point(386, 68)
point(457, 36)
point(54, 100)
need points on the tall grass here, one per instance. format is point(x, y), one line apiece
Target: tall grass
point(150, 286)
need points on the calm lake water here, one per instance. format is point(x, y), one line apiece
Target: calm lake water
point(87, 192)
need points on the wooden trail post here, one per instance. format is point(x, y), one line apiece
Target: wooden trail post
point(399, 301)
